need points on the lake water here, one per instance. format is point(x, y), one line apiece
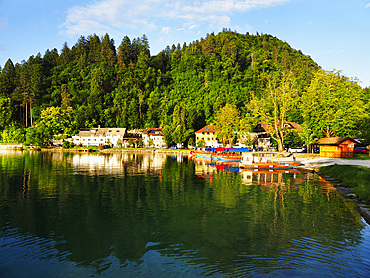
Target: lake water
point(155, 215)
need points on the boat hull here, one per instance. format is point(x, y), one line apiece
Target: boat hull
point(283, 165)
point(217, 157)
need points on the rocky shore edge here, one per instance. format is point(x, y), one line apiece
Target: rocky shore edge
point(362, 205)
point(312, 165)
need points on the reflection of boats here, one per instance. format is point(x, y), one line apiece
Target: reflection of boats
point(265, 176)
point(220, 154)
point(273, 160)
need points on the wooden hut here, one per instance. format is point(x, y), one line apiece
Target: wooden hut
point(336, 147)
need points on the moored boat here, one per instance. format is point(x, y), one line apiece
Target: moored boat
point(275, 160)
point(220, 154)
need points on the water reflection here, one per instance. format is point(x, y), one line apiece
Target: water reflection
point(161, 215)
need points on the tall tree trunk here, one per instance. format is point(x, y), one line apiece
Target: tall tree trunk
point(26, 115)
point(31, 113)
point(280, 145)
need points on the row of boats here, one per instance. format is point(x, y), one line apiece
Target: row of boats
point(247, 159)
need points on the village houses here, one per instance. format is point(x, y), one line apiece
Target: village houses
point(117, 137)
point(99, 136)
point(259, 136)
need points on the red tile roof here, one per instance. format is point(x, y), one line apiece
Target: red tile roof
point(203, 129)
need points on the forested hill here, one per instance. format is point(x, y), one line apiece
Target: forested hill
point(125, 86)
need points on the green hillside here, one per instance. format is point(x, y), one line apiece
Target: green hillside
point(124, 86)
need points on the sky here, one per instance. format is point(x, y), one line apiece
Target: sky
point(334, 33)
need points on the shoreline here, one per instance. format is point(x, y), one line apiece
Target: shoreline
point(314, 164)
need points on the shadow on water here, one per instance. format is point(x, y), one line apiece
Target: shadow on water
point(154, 215)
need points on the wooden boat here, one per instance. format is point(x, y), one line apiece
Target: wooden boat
point(277, 160)
point(220, 154)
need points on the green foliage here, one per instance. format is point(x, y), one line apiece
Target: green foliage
point(37, 137)
point(227, 122)
point(332, 105)
point(201, 143)
point(67, 144)
point(191, 142)
point(168, 135)
point(131, 142)
point(55, 120)
point(120, 143)
point(150, 142)
point(181, 86)
point(293, 139)
point(273, 104)
point(140, 143)
point(13, 134)
point(6, 111)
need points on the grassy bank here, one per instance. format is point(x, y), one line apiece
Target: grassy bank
point(356, 177)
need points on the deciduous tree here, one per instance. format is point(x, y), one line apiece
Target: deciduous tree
point(227, 123)
point(332, 105)
point(273, 104)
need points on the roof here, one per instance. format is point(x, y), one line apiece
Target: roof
point(207, 128)
point(263, 125)
point(101, 131)
point(334, 141)
point(88, 132)
point(294, 125)
point(116, 131)
point(85, 133)
point(152, 130)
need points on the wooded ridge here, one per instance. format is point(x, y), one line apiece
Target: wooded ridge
point(181, 88)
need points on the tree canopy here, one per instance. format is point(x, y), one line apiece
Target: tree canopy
point(181, 88)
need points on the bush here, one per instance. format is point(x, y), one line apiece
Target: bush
point(67, 144)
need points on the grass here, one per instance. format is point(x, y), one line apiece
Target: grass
point(360, 156)
point(356, 177)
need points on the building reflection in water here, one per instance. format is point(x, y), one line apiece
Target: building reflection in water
point(264, 177)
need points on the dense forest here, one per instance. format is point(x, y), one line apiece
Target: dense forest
point(96, 83)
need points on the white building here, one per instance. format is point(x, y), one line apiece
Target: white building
point(99, 136)
point(155, 135)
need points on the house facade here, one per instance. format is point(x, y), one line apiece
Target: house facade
point(153, 137)
point(336, 147)
point(208, 135)
point(99, 136)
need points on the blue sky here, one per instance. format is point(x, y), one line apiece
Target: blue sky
point(336, 34)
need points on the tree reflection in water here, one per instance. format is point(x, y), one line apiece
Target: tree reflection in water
point(129, 205)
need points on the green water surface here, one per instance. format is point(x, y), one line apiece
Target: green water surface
point(156, 215)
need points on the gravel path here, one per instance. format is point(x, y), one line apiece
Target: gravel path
point(322, 161)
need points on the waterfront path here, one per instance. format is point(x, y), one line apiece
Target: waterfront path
point(322, 161)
